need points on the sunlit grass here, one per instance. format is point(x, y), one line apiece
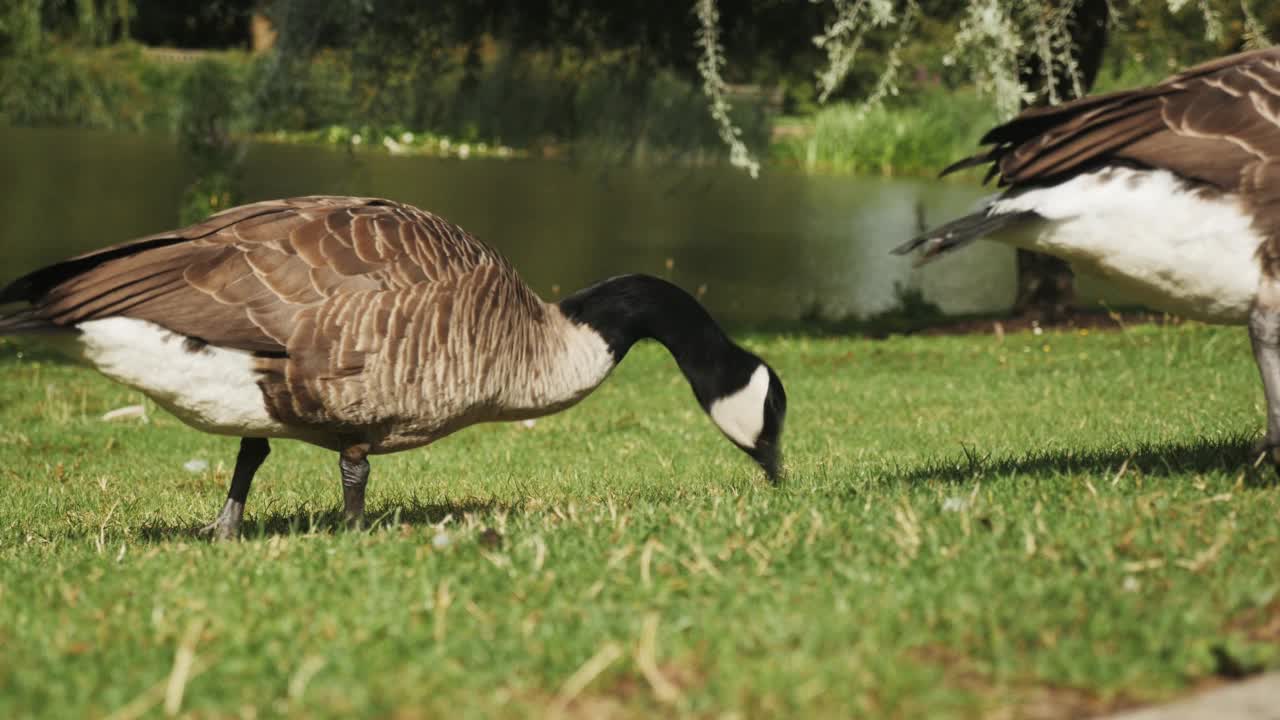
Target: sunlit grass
point(1056, 523)
point(920, 136)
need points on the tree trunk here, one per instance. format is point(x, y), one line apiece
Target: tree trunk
point(1046, 285)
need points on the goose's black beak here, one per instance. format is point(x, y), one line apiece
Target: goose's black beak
point(769, 457)
point(768, 448)
point(750, 412)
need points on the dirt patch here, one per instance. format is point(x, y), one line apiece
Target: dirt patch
point(928, 320)
point(624, 695)
point(633, 686)
point(1259, 624)
point(1060, 703)
point(1022, 699)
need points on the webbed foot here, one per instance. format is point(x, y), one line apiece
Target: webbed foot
point(227, 525)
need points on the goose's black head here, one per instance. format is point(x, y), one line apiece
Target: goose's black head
point(750, 413)
point(740, 392)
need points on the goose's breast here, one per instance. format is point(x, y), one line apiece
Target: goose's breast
point(214, 389)
point(1167, 244)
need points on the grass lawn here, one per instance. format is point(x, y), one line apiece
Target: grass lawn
point(1036, 526)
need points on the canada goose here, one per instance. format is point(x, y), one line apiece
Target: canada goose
point(1171, 191)
point(367, 326)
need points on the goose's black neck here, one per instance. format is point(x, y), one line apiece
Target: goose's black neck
point(629, 308)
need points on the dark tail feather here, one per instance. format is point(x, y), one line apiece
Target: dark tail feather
point(25, 322)
point(33, 285)
point(971, 161)
point(959, 232)
point(15, 321)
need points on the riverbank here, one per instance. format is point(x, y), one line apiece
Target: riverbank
point(541, 105)
point(916, 134)
point(136, 89)
point(606, 111)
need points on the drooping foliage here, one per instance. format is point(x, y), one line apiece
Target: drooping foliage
point(644, 74)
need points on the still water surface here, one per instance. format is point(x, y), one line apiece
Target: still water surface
point(776, 248)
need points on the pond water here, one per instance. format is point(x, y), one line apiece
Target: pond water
point(778, 248)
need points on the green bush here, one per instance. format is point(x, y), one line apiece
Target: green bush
point(284, 94)
point(210, 110)
point(116, 88)
point(20, 31)
point(937, 129)
point(612, 105)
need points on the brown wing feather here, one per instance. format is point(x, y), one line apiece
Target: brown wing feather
point(1206, 123)
point(245, 278)
point(1092, 135)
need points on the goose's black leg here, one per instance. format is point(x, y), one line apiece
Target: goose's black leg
point(1264, 332)
point(355, 475)
point(253, 451)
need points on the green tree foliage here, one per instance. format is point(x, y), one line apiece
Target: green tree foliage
point(529, 72)
point(522, 73)
point(203, 24)
point(209, 111)
point(20, 28)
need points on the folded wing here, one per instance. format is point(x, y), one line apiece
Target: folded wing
point(243, 278)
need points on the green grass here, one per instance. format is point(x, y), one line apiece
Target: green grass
point(1045, 524)
point(919, 137)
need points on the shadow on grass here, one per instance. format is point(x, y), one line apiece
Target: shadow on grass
point(914, 317)
point(1232, 454)
point(32, 349)
point(305, 522)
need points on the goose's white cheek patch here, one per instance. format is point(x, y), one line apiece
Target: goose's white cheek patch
point(741, 414)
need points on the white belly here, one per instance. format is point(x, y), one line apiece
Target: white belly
point(210, 388)
point(1172, 248)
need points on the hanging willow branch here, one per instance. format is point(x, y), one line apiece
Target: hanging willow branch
point(710, 62)
point(1255, 35)
point(843, 37)
point(992, 39)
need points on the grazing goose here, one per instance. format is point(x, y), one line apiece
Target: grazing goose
point(1171, 191)
point(367, 326)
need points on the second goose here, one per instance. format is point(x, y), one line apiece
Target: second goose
point(367, 326)
point(1171, 191)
